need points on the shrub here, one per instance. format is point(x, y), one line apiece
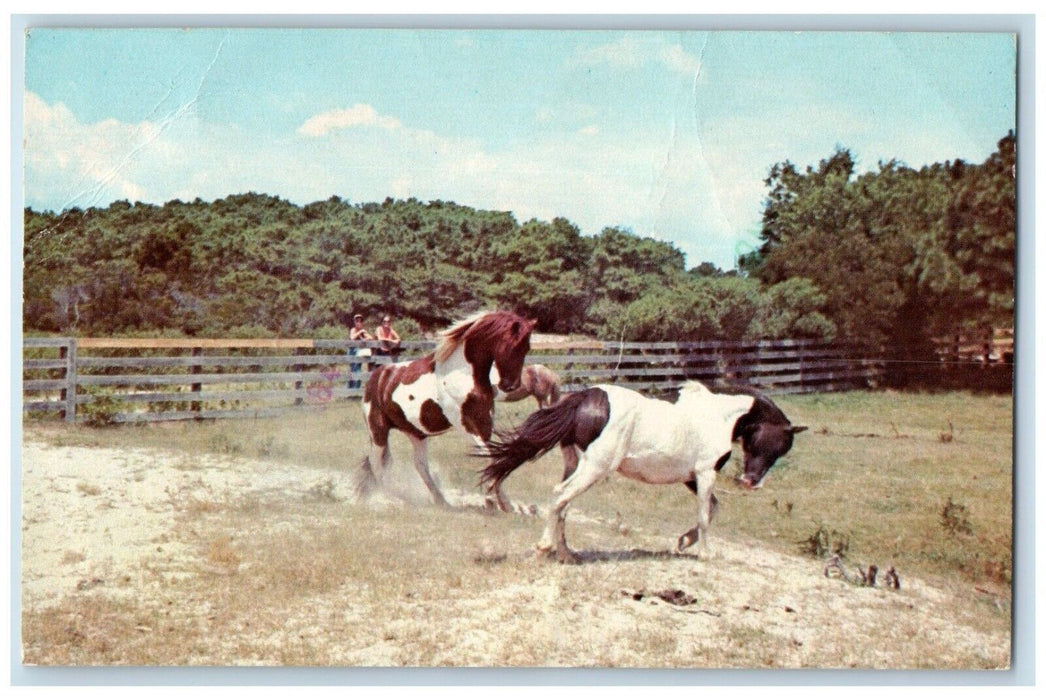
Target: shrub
point(103, 408)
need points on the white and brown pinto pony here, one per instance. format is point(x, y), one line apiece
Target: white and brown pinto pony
point(607, 428)
point(537, 381)
point(453, 387)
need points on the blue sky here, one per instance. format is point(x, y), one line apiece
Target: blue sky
point(669, 134)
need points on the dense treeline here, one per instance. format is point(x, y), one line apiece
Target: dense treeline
point(842, 256)
point(258, 265)
point(900, 255)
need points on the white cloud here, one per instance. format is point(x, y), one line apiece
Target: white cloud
point(363, 115)
point(544, 115)
point(633, 51)
point(626, 52)
point(677, 59)
point(401, 188)
point(590, 130)
point(88, 164)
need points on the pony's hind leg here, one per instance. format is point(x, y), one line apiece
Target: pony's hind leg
point(570, 460)
point(373, 467)
point(553, 541)
point(421, 465)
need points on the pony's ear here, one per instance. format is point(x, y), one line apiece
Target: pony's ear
point(747, 429)
point(521, 329)
point(797, 429)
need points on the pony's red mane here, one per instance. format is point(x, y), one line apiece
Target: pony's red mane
point(484, 325)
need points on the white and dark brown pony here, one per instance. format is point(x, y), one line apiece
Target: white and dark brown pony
point(537, 381)
point(607, 428)
point(452, 387)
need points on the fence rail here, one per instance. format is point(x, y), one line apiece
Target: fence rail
point(134, 380)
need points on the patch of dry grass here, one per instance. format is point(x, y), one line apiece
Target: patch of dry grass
point(88, 489)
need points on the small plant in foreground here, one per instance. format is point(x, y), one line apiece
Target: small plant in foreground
point(824, 542)
point(223, 444)
point(954, 518)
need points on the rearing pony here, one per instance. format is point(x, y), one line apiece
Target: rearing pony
point(451, 387)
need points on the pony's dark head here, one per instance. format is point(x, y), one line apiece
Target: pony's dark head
point(766, 435)
point(498, 339)
point(510, 352)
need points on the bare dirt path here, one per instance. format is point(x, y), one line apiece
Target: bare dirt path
point(113, 523)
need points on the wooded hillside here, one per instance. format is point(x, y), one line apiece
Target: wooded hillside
point(868, 257)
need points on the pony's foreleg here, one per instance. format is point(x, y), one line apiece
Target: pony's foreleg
point(704, 481)
point(421, 465)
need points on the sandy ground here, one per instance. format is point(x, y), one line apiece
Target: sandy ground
point(91, 515)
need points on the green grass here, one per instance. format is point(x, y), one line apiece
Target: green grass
point(877, 467)
point(883, 467)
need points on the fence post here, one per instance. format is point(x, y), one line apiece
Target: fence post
point(756, 377)
point(196, 388)
point(569, 367)
point(298, 368)
point(802, 368)
point(68, 353)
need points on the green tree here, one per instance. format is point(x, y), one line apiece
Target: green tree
point(899, 254)
point(540, 274)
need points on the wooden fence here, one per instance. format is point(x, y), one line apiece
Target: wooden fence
point(990, 345)
point(128, 380)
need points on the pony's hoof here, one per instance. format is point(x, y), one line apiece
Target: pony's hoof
point(497, 505)
point(545, 552)
point(685, 541)
point(530, 509)
point(562, 555)
point(566, 556)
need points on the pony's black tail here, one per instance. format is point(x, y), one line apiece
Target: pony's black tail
point(576, 420)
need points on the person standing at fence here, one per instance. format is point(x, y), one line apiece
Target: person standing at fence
point(388, 338)
point(358, 332)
